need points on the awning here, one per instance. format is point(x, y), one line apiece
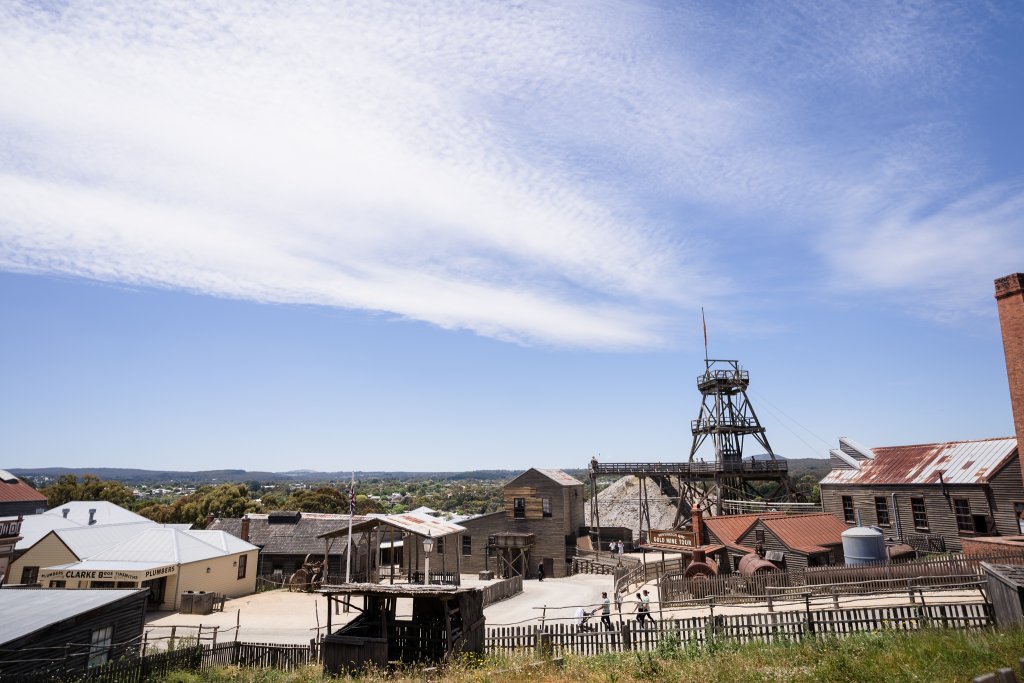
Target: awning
point(107, 571)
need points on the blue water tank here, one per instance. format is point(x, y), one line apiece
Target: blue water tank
point(863, 544)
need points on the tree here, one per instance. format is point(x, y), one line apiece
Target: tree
point(226, 500)
point(68, 488)
point(323, 499)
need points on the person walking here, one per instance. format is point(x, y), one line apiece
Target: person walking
point(606, 611)
point(646, 601)
point(540, 572)
point(639, 610)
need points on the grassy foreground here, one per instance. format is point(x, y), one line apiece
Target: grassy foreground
point(933, 656)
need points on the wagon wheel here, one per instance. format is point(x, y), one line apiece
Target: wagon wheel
point(297, 581)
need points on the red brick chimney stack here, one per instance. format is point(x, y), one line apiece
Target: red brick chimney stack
point(245, 529)
point(697, 522)
point(1010, 299)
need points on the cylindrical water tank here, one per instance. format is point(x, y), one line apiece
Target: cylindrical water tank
point(863, 544)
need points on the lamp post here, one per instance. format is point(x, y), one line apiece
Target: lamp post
point(428, 547)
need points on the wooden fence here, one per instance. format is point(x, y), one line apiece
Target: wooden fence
point(501, 590)
point(131, 669)
point(761, 627)
point(936, 570)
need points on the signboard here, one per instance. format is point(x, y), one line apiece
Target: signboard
point(10, 528)
point(679, 539)
point(107, 574)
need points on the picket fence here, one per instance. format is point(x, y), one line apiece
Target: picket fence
point(561, 638)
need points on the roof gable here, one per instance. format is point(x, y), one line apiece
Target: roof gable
point(557, 476)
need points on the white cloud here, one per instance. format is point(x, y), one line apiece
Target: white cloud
point(499, 169)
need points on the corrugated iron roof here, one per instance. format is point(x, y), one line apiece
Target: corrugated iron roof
point(422, 524)
point(105, 512)
point(809, 532)
point(86, 541)
point(28, 611)
point(18, 492)
point(728, 528)
point(301, 538)
point(170, 546)
point(958, 462)
point(34, 527)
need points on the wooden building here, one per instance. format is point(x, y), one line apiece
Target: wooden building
point(790, 541)
point(445, 620)
point(18, 498)
point(540, 522)
point(931, 496)
point(286, 539)
point(66, 633)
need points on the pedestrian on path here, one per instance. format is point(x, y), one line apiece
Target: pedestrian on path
point(540, 572)
point(606, 611)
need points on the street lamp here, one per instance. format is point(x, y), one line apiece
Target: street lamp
point(428, 547)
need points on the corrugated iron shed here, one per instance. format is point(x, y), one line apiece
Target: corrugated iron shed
point(958, 462)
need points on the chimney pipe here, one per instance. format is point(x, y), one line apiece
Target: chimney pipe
point(245, 529)
point(209, 520)
point(66, 511)
point(697, 522)
point(92, 516)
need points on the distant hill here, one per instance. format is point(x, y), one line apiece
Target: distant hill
point(138, 476)
point(798, 467)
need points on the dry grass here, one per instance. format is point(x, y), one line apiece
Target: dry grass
point(933, 656)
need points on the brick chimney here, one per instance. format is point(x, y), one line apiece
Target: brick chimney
point(1010, 300)
point(244, 535)
point(697, 522)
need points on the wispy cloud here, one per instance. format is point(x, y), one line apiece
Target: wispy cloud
point(532, 173)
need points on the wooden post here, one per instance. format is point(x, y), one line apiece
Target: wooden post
point(213, 644)
point(173, 630)
point(392, 563)
point(238, 623)
point(807, 610)
point(458, 559)
point(627, 638)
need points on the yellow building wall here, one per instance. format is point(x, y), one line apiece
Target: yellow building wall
point(48, 552)
point(222, 577)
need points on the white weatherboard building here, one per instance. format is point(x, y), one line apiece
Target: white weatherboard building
point(169, 560)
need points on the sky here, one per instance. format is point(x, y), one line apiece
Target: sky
point(470, 235)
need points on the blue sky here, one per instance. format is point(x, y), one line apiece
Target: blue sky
point(471, 235)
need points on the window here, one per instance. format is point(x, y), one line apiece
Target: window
point(99, 646)
point(58, 584)
point(243, 560)
point(29, 575)
point(849, 515)
point(1018, 509)
point(467, 545)
point(882, 510)
point(759, 536)
point(964, 521)
point(519, 508)
point(439, 544)
point(920, 514)
point(545, 504)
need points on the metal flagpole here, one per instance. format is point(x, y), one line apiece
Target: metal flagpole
point(704, 324)
point(351, 514)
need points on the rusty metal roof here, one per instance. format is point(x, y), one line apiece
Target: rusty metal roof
point(14, 490)
point(728, 528)
point(807, 533)
point(958, 462)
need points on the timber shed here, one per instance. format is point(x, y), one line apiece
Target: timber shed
point(62, 633)
point(443, 620)
point(930, 496)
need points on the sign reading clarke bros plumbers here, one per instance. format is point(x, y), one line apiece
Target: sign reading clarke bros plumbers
point(107, 574)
